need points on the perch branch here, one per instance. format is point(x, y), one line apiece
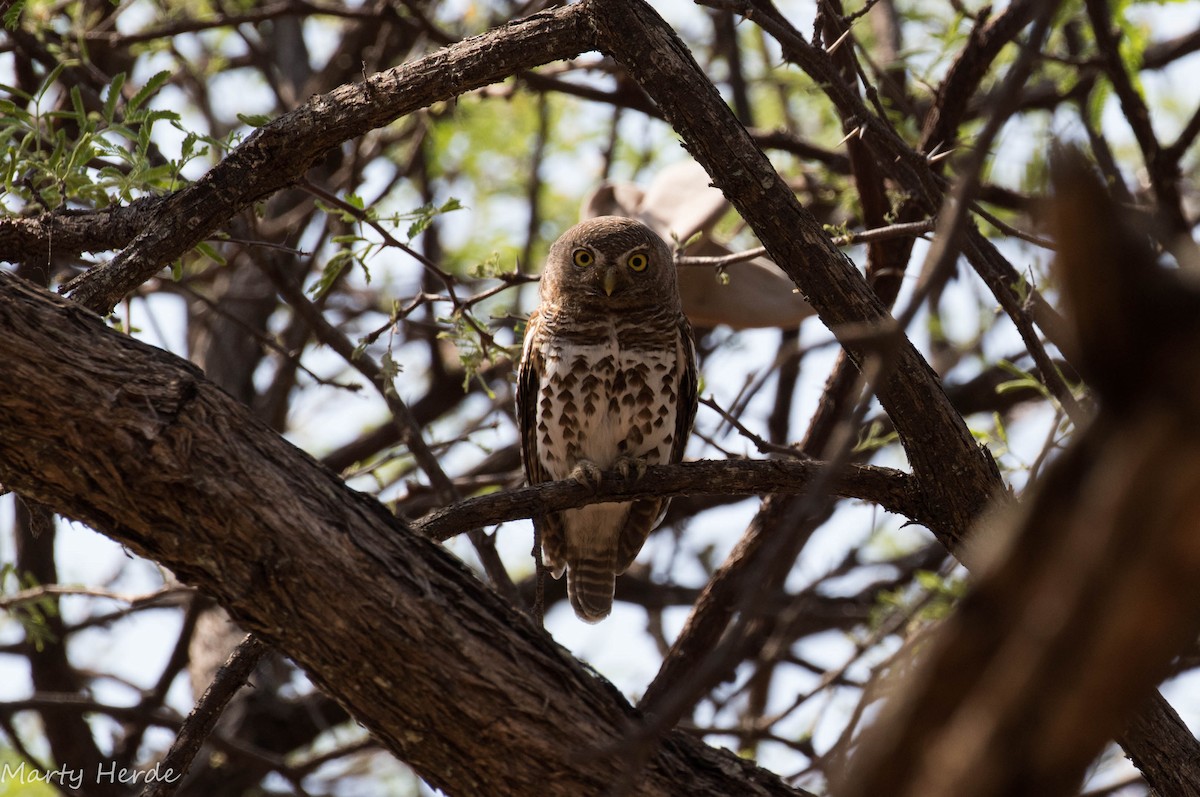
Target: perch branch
point(892, 489)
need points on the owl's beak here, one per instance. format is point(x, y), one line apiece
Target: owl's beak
point(610, 281)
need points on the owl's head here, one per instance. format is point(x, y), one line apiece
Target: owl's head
point(611, 260)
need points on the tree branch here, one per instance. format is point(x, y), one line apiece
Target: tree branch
point(278, 154)
point(200, 723)
point(181, 473)
point(894, 490)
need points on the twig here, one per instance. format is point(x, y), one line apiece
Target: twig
point(1163, 172)
point(892, 231)
point(8, 602)
point(200, 723)
point(763, 445)
point(449, 280)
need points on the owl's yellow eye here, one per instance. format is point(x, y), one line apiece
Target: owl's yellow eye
point(582, 258)
point(638, 262)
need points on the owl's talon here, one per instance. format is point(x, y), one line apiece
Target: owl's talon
point(586, 472)
point(631, 468)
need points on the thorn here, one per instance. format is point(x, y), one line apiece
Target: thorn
point(831, 49)
point(855, 132)
point(940, 156)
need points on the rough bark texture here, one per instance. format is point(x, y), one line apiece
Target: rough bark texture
point(182, 474)
point(1160, 745)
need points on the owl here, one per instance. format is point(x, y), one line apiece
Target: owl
point(607, 382)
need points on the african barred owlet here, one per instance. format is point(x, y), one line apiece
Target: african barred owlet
point(607, 381)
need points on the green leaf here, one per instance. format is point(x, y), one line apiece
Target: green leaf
point(1024, 380)
point(114, 94)
point(12, 15)
point(159, 116)
point(333, 269)
point(15, 92)
point(51, 79)
point(211, 253)
point(77, 105)
point(147, 91)
point(389, 369)
point(254, 119)
point(423, 216)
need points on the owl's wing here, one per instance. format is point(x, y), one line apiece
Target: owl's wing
point(645, 515)
point(529, 380)
point(689, 385)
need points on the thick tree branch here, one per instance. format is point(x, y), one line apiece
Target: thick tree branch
point(181, 473)
point(892, 489)
point(278, 154)
point(38, 239)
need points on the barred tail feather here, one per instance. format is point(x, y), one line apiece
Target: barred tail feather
point(590, 586)
point(643, 517)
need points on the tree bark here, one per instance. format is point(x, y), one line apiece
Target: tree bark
point(1065, 636)
point(136, 443)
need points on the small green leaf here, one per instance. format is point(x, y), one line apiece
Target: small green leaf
point(333, 269)
point(211, 253)
point(114, 94)
point(51, 79)
point(12, 15)
point(147, 91)
point(389, 368)
point(1024, 380)
point(77, 105)
point(254, 119)
point(15, 92)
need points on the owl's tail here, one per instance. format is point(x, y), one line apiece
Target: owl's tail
point(590, 585)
